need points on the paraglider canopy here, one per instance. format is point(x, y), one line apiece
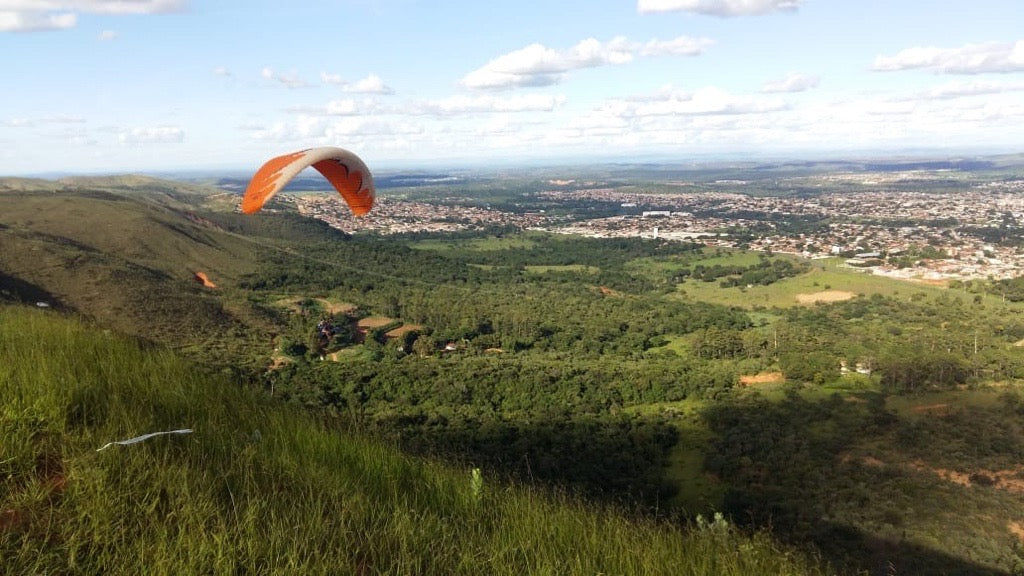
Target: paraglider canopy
point(343, 169)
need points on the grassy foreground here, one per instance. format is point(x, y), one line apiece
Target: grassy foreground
point(258, 488)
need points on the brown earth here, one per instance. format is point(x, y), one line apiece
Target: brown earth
point(336, 307)
point(403, 330)
point(203, 279)
point(1009, 480)
point(374, 322)
point(1016, 528)
point(824, 296)
point(933, 409)
point(761, 378)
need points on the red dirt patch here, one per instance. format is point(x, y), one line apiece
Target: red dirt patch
point(761, 378)
point(203, 279)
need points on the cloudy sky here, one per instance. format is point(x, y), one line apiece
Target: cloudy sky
point(137, 85)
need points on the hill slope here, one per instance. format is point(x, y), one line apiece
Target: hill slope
point(131, 255)
point(262, 489)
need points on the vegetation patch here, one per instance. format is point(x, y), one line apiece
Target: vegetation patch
point(265, 488)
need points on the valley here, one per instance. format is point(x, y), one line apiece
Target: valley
point(865, 420)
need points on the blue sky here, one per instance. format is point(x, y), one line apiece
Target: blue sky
point(155, 85)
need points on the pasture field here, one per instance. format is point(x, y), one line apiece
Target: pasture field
point(934, 404)
point(659, 266)
point(487, 244)
point(825, 278)
point(578, 268)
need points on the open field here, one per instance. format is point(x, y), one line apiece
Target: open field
point(826, 279)
point(325, 305)
point(488, 244)
point(578, 268)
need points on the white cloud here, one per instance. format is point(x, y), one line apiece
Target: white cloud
point(157, 135)
point(478, 104)
point(967, 89)
point(718, 7)
point(42, 120)
point(221, 71)
point(304, 128)
point(344, 107)
point(33, 22)
point(372, 84)
point(681, 46)
point(705, 101)
point(18, 123)
point(352, 106)
point(94, 6)
point(792, 83)
point(36, 15)
point(107, 35)
point(361, 128)
point(289, 79)
point(998, 57)
point(329, 78)
point(538, 65)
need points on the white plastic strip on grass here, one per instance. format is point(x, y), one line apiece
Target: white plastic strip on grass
point(138, 439)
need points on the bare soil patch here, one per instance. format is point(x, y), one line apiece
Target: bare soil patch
point(824, 296)
point(931, 281)
point(203, 279)
point(329, 306)
point(761, 378)
point(332, 307)
point(1016, 528)
point(403, 330)
point(371, 322)
point(1009, 480)
point(932, 409)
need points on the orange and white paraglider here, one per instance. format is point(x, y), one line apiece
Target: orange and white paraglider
point(343, 169)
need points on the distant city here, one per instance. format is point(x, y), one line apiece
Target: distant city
point(882, 226)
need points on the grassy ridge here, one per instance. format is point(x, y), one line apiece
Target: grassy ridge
point(128, 258)
point(262, 489)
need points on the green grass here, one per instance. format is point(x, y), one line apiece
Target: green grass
point(657, 267)
point(577, 268)
point(261, 488)
point(699, 493)
point(488, 244)
point(824, 275)
point(927, 405)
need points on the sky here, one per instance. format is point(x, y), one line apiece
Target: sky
point(111, 86)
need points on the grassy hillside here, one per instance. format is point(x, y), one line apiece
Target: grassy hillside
point(129, 252)
point(262, 489)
